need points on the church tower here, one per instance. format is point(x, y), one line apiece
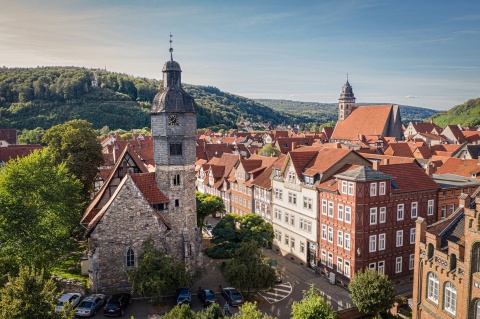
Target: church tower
point(346, 102)
point(174, 128)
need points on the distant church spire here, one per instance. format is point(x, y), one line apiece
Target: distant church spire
point(171, 49)
point(346, 102)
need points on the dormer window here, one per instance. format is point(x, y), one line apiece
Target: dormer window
point(308, 180)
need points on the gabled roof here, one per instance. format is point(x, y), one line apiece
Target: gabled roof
point(451, 228)
point(425, 127)
point(456, 133)
point(471, 136)
point(398, 149)
point(363, 174)
point(409, 177)
point(92, 209)
point(363, 120)
point(326, 158)
point(458, 166)
point(422, 152)
point(9, 135)
point(300, 160)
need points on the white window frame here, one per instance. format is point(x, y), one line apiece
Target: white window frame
point(339, 265)
point(339, 238)
point(381, 241)
point(373, 189)
point(292, 220)
point(433, 286)
point(431, 205)
point(372, 243)
point(346, 268)
point(373, 215)
point(398, 265)
point(331, 209)
point(348, 214)
point(399, 238)
point(324, 231)
point(324, 207)
point(450, 298)
point(351, 190)
point(347, 241)
point(330, 260)
point(382, 188)
point(340, 212)
point(383, 215)
point(381, 267)
point(411, 262)
point(413, 232)
point(344, 187)
point(330, 235)
point(323, 258)
point(372, 266)
point(414, 209)
point(400, 211)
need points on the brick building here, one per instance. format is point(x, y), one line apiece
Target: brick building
point(447, 264)
point(367, 219)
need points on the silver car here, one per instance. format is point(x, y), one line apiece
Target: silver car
point(74, 298)
point(89, 306)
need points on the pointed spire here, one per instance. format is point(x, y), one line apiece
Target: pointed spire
point(171, 49)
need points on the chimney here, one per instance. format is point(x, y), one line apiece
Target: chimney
point(430, 169)
point(376, 165)
point(294, 145)
point(386, 161)
point(421, 228)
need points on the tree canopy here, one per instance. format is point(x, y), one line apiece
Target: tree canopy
point(269, 150)
point(232, 230)
point(249, 268)
point(157, 273)
point(31, 296)
point(249, 310)
point(40, 207)
point(208, 205)
point(312, 306)
point(75, 143)
point(372, 292)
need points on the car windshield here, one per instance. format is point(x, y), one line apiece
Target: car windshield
point(112, 305)
point(182, 298)
point(86, 304)
point(210, 297)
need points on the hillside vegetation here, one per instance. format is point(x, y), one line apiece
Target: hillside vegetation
point(466, 114)
point(46, 96)
point(328, 112)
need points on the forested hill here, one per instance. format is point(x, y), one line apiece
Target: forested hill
point(328, 112)
point(466, 114)
point(46, 96)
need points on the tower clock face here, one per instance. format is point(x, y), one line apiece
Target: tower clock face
point(173, 120)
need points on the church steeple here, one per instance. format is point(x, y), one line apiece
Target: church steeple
point(346, 102)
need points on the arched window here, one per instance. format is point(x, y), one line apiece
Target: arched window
point(430, 250)
point(453, 262)
point(475, 262)
point(432, 287)
point(450, 298)
point(130, 258)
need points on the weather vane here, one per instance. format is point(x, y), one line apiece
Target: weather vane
point(171, 49)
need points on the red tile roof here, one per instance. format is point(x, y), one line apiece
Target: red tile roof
point(471, 136)
point(425, 127)
point(14, 151)
point(9, 135)
point(390, 159)
point(409, 177)
point(457, 133)
point(325, 159)
point(458, 166)
point(363, 120)
point(148, 186)
point(399, 149)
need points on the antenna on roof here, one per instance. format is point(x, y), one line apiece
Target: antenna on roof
point(347, 77)
point(171, 49)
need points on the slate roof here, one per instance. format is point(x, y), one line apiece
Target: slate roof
point(451, 228)
point(454, 181)
point(365, 120)
point(363, 174)
point(409, 177)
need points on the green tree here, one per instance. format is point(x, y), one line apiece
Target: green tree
point(40, 207)
point(254, 228)
point(312, 306)
point(182, 311)
point(127, 136)
point(31, 296)
point(156, 273)
point(372, 293)
point(211, 312)
point(207, 205)
point(269, 150)
point(31, 136)
point(76, 144)
point(249, 269)
point(250, 311)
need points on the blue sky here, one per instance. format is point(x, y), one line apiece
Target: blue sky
point(423, 53)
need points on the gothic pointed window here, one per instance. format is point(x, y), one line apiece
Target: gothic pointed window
point(130, 258)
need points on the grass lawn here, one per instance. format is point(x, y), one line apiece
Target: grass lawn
point(66, 266)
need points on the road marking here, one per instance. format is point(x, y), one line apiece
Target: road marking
point(278, 293)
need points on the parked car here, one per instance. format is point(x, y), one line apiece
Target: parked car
point(207, 297)
point(233, 296)
point(89, 305)
point(72, 297)
point(117, 304)
point(183, 295)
